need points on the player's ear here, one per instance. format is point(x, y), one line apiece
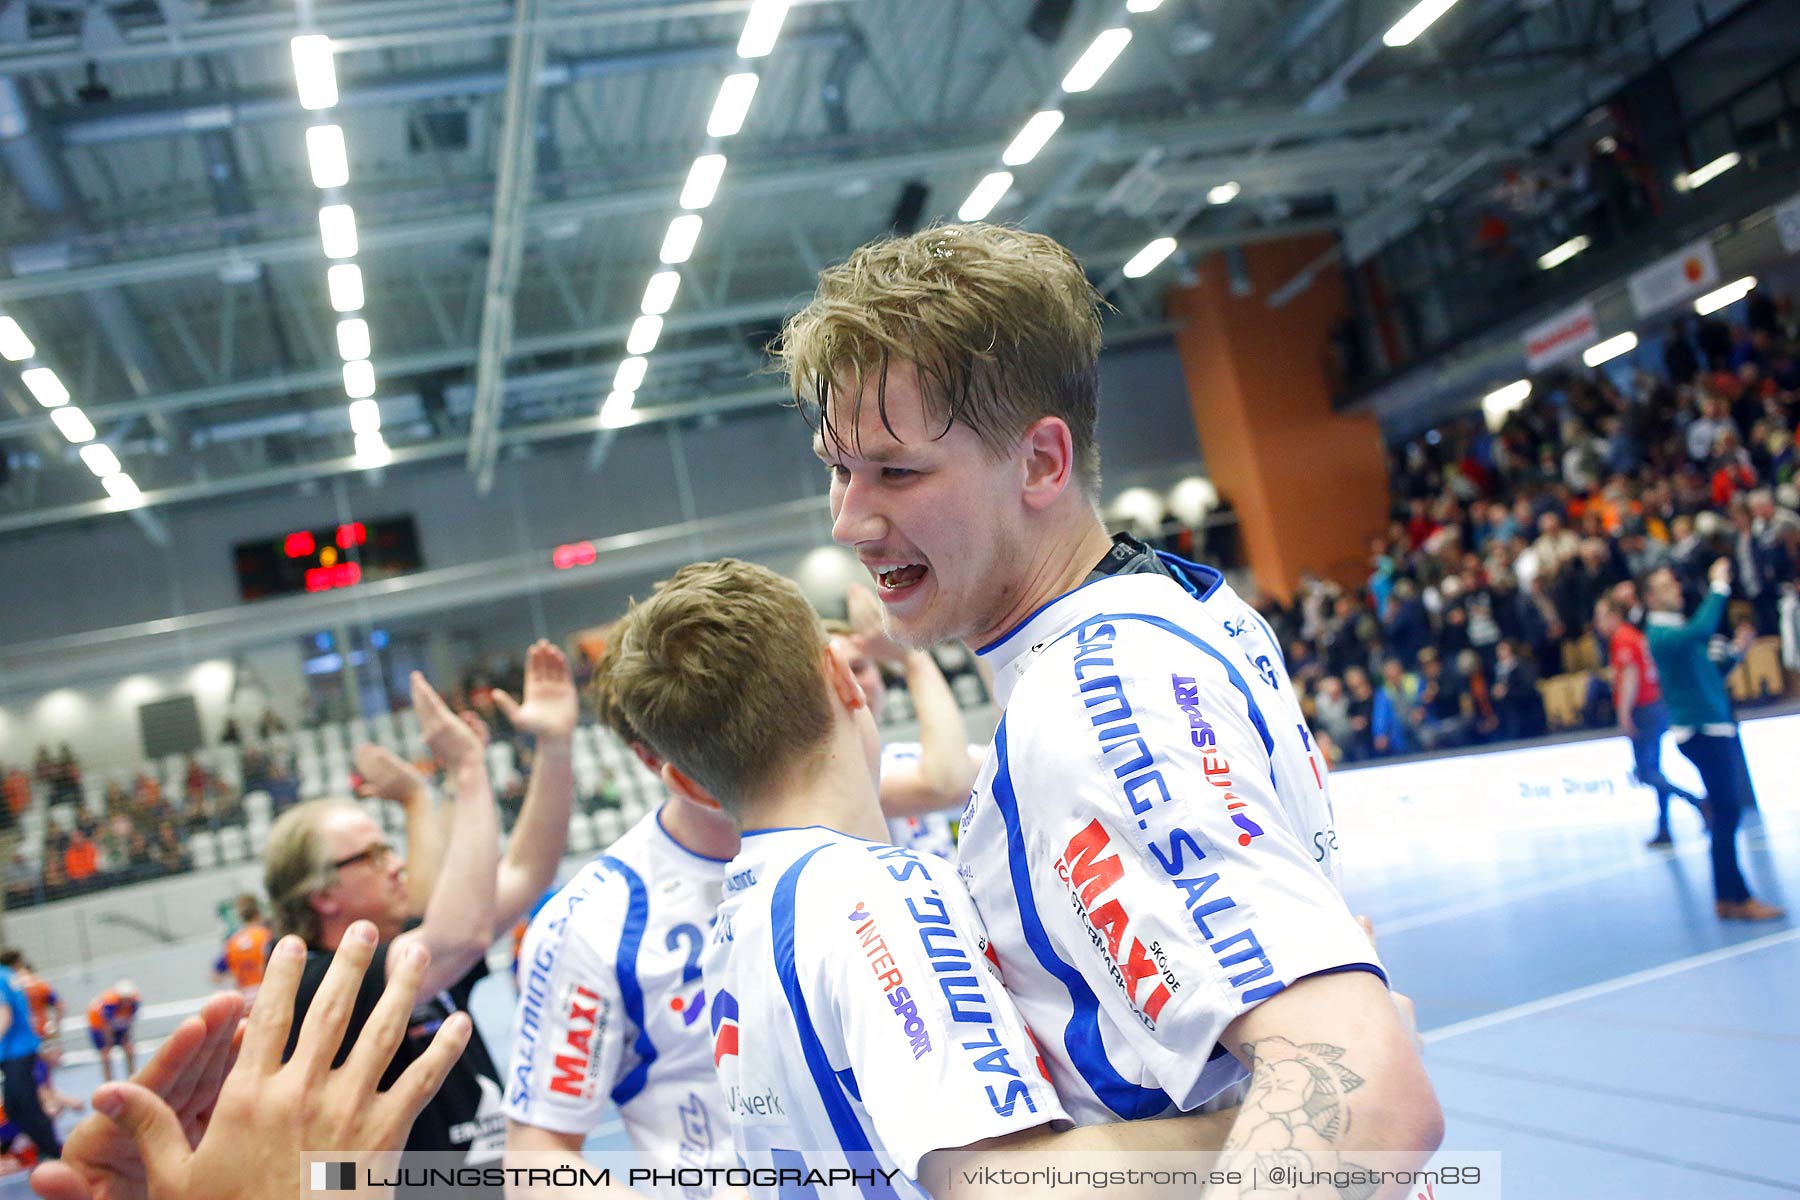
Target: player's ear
point(1048, 447)
point(683, 785)
point(841, 679)
point(650, 760)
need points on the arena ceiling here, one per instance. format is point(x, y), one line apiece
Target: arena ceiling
point(160, 239)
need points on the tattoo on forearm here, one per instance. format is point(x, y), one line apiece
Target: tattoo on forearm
point(1295, 1117)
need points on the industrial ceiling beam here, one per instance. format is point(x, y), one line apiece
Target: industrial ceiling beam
point(516, 168)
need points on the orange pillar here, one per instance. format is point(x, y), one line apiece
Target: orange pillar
point(1309, 485)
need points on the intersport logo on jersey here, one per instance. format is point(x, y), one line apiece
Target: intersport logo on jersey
point(1089, 867)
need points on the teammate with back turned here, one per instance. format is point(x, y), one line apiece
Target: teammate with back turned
point(1150, 842)
point(611, 1009)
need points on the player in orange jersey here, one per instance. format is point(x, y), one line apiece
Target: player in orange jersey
point(246, 951)
point(110, 1017)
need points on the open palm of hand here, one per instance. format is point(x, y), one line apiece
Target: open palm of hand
point(551, 705)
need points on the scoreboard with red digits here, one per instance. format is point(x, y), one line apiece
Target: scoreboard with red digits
point(327, 557)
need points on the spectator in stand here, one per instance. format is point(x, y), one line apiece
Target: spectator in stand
point(1331, 712)
point(110, 1016)
point(1643, 718)
point(1705, 731)
point(17, 788)
point(269, 725)
point(81, 858)
point(1440, 724)
point(1360, 744)
point(1517, 702)
point(1395, 714)
point(1483, 721)
point(1408, 627)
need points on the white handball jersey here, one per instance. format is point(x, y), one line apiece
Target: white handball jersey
point(1150, 842)
point(855, 1018)
point(612, 1008)
point(928, 833)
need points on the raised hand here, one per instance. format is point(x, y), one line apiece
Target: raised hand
point(552, 704)
point(270, 1114)
point(100, 1160)
point(388, 776)
point(452, 741)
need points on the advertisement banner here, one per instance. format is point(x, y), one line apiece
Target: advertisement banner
point(1566, 334)
point(1669, 281)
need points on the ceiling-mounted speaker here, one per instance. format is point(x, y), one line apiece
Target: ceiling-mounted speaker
point(909, 209)
point(1048, 19)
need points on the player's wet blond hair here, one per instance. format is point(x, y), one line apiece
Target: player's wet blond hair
point(1000, 324)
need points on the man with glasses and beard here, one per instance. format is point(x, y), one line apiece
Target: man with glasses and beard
point(329, 866)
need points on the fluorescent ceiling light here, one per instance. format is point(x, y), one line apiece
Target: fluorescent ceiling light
point(1224, 193)
point(372, 450)
point(353, 339)
point(122, 488)
point(1709, 172)
point(987, 193)
point(1563, 253)
point(659, 293)
point(73, 423)
point(644, 332)
point(100, 459)
point(1509, 397)
point(733, 104)
point(1095, 59)
point(1423, 15)
point(365, 416)
point(43, 384)
point(1610, 349)
point(617, 409)
point(337, 230)
point(314, 73)
point(630, 375)
point(678, 243)
point(1149, 258)
point(761, 28)
point(702, 181)
point(1142, 6)
point(359, 379)
point(1031, 139)
point(14, 345)
point(325, 153)
point(344, 282)
point(1723, 297)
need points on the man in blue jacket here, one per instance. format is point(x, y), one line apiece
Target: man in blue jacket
point(1700, 718)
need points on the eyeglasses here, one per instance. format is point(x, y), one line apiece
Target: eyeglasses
point(374, 853)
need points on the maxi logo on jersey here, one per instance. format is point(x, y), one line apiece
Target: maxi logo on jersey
point(586, 1014)
point(947, 952)
point(1088, 874)
point(893, 984)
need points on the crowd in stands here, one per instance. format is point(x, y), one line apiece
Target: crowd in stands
point(1482, 586)
point(1502, 539)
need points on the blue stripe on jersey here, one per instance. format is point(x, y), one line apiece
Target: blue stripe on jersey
point(1231, 672)
point(637, 916)
point(845, 1124)
point(1081, 1037)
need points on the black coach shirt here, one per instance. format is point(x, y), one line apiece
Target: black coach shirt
point(466, 1115)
